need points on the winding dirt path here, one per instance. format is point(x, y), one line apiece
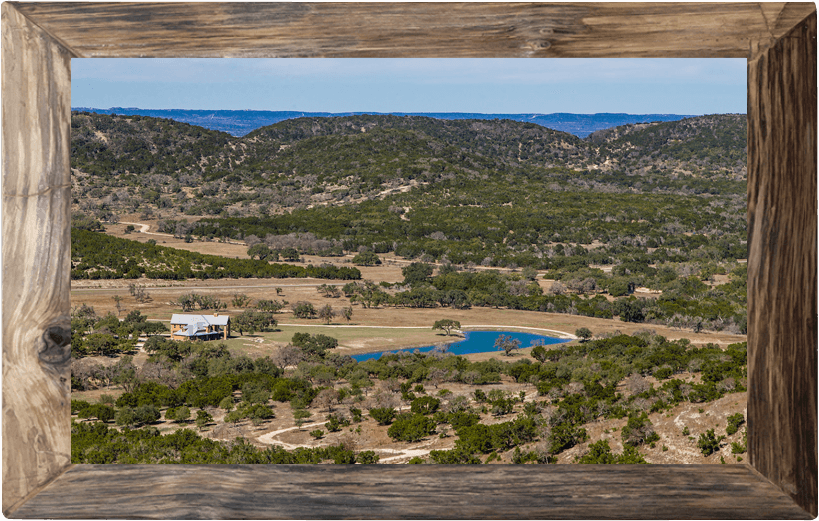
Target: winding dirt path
point(270, 437)
point(143, 228)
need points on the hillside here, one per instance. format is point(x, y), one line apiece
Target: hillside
point(707, 146)
point(319, 161)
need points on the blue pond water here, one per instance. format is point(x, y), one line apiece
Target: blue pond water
point(475, 342)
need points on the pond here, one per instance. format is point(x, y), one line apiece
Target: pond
point(474, 342)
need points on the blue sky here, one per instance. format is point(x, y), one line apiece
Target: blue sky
point(635, 86)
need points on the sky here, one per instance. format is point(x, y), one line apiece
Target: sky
point(493, 86)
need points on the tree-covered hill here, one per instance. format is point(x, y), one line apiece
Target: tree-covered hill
point(124, 164)
point(494, 193)
point(108, 146)
point(711, 146)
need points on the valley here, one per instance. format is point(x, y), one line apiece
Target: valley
point(635, 235)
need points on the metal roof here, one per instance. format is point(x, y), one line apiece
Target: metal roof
point(212, 320)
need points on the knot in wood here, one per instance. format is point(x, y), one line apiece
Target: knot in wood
point(538, 45)
point(56, 345)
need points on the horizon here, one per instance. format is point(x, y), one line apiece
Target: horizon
point(682, 86)
point(377, 113)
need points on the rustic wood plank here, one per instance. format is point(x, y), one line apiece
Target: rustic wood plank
point(36, 242)
point(415, 29)
point(412, 491)
point(35, 225)
point(782, 335)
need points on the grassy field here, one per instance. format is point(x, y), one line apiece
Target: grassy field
point(351, 339)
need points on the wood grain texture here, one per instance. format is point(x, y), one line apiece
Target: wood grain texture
point(782, 220)
point(412, 491)
point(36, 246)
point(415, 29)
point(36, 98)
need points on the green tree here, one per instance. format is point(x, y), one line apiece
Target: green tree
point(383, 415)
point(202, 419)
point(425, 405)
point(416, 273)
point(347, 313)
point(314, 345)
point(226, 403)
point(290, 254)
point(255, 391)
point(101, 343)
point(411, 427)
point(446, 325)
point(182, 414)
point(584, 334)
point(304, 310)
point(299, 415)
point(125, 416)
point(252, 321)
point(317, 434)
point(366, 258)
point(539, 353)
point(102, 412)
point(271, 306)
point(260, 251)
point(147, 413)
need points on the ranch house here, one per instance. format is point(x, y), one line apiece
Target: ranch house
point(200, 327)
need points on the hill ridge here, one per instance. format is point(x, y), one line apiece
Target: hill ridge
point(241, 122)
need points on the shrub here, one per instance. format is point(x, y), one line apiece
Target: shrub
point(367, 457)
point(411, 427)
point(734, 423)
point(226, 403)
point(383, 415)
point(125, 416)
point(638, 430)
point(600, 453)
point(709, 442)
point(452, 457)
point(425, 405)
point(147, 414)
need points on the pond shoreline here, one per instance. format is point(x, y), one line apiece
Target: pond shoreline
point(475, 344)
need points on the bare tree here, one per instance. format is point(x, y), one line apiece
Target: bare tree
point(118, 300)
point(437, 376)
point(636, 384)
point(557, 288)
point(325, 398)
point(326, 313)
point(287, 356)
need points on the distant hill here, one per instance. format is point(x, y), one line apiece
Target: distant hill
point(241, 122)
point(125, 163)
point(496, 193)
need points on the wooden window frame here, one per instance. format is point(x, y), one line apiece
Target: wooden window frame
point(779, 42)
